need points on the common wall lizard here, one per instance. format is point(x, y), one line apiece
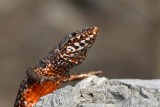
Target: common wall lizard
point(48, 75)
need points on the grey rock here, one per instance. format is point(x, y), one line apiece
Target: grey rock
point(102, 92)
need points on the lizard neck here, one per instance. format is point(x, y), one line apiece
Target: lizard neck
point(60, 63)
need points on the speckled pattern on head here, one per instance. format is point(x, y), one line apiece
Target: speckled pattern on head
point(74, 47)
point(47, 75)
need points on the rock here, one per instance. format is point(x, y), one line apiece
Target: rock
point(102, 92)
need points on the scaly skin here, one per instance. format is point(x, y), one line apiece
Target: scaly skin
point(48, 75)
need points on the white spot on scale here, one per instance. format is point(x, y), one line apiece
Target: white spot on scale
point(71, 55)
point(82, 41)
point(94, 33)
point(76, 44)
point(65, 55)
point(59, 63)
point(70, 48)
point(25, 103)
point(88, 39)
point(78, 37)
point(91, 36)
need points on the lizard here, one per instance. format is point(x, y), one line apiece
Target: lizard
point(49, 73)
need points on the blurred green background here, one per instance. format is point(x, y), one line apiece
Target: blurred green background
point(128, 45)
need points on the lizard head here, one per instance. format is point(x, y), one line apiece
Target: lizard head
point(74, 47)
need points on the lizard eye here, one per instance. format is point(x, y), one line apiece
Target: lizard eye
point(73, 34)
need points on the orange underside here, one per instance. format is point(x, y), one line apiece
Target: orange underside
point(37, 90)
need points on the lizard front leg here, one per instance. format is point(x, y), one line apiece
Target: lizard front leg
point(74, 77)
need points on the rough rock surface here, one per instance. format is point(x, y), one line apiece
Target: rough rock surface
point(102, 92)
